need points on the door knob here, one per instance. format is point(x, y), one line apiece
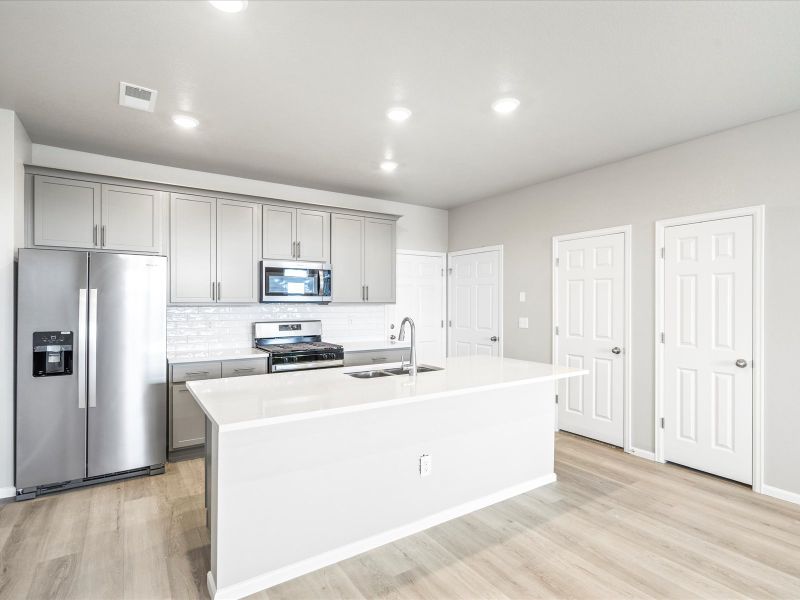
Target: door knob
point(741, 363)
point(616, 350)
point(494, 338)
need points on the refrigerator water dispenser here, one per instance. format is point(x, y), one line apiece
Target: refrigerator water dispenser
point(52, 353)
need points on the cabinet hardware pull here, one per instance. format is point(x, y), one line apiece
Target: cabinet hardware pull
point(298, 249)
point(367, 293)
point(243, 370)
point(213, 291)
point(219, 291)
point(197, 372)
point(94, 236)
point(103, 236)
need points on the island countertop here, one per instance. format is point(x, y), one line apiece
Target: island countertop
point(261, 400)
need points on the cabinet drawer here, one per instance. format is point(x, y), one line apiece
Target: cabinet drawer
point(375, 357)
point(195, 371)
point(240, 368)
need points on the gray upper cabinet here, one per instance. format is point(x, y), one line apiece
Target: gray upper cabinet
point(131, 219)
point(280, 224)
point(379, 260)
point(238, 247)
point(81, 214)
point(296, 234)
point(193, 248)
point(313, 235)
point(214, 249)
point(347, 258)
point(66, 212)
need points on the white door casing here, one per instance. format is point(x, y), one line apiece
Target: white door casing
point(708, 327)
point(475, 283)
point(421, 296)
point(591, 319)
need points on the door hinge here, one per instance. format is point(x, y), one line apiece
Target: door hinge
point(662, 422)
point(442, 322)
point(449, 323)
point(450, 270)
point(662, 337)
point(442, 272)
point(556, 329)
point(556, 398)
point(556, 261)
point(662, 251)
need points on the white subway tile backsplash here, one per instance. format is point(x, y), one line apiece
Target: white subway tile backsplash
point(210, 328)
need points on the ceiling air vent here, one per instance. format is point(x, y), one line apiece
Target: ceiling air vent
point(136, 96)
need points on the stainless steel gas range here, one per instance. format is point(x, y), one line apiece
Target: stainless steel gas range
point(296, 346)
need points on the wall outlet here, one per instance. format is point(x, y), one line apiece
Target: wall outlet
point(522, 296)
point(523, 322)
point(425, 465)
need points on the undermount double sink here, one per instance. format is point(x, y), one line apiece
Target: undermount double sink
point(390, 372)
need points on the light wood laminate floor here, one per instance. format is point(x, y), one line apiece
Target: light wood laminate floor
point(613, 526)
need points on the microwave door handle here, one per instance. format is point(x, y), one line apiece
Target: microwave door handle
point(321, 290)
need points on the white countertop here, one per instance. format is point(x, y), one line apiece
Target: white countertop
point(179, 358)
point(367, 345)
point(259, 400)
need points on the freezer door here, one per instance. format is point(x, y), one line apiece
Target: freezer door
point(50, 411)
point(127, 362)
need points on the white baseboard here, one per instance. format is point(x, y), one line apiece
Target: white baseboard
point(768, 490)
point(645, 454)
point(267, 580)
point(8, 492)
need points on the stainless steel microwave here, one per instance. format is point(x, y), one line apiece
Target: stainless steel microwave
point(295, 281)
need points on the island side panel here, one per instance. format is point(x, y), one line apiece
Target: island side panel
point(293, 497)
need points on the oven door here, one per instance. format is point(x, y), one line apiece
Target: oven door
point(294, 281)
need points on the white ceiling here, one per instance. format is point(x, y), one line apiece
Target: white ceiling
point(296, 92)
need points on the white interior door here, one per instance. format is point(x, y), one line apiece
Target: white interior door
point(591, 331)
point(708, 346)
point(474, 299)
point(421, 296)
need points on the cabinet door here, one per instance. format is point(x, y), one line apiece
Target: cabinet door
point(66, 212)
point(313, 235)
point(131, 219)
point(238, 247)
point(347, 250)
point(193, 248)
point(188, 426)
point(379, 260)
point(279, 232)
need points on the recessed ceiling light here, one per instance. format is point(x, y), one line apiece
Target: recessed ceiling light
point(505, 105)
point(185, 121)
point(398, 113)
point(388, 166)
point(229, 6)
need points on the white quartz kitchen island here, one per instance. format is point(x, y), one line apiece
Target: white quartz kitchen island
point(309, 468)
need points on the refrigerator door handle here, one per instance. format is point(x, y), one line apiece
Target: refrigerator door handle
point(92, 348)
point(82, 348)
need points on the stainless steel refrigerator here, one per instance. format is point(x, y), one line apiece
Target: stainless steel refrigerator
point(91, 368)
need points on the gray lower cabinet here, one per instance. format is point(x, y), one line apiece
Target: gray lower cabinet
point(214, 250)
point(375, 357)
point(81, 214)
point(187, 422)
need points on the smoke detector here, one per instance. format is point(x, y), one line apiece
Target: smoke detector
point(136, 96)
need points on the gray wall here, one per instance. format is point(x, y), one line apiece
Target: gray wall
point(754, 164)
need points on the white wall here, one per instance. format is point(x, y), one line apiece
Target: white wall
point(754, 164)
point(420, 227)
point(15, 150)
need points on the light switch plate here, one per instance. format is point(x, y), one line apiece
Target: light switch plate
point(425, 465)
point(523, 322)
point(522, 296)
